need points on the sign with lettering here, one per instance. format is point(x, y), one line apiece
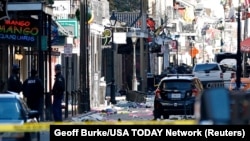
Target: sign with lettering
point(212, 84)
point(22, 32)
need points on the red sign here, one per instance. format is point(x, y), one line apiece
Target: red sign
point(193, 52)
point(174, 44)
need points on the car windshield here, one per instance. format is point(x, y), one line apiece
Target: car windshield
point(9, 109)
point(206, 67)
point(176, 84)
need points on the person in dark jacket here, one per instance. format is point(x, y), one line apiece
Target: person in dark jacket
point(14, 83)
point(58, 92)
point(33, 90)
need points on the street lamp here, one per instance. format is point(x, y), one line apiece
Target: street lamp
point(112, 20)
point(203, 33)
point(134, 79)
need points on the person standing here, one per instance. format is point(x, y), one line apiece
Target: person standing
point(14, 84)
point(33, 90)
point(58, 92)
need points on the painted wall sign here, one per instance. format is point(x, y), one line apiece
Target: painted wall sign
point(22, 32)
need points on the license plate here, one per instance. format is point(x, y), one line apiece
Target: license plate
point(176, 95)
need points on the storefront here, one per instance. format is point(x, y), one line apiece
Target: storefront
point(25, 39)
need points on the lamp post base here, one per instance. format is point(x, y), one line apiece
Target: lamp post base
point(134, 84)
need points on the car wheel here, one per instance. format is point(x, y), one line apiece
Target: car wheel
point(166, 116)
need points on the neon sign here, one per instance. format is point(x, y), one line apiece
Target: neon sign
point(22, 32)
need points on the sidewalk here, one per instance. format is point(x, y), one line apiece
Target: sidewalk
point(99, 112)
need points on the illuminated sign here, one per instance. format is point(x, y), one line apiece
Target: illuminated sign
point(21, 32)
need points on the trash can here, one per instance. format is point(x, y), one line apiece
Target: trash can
point(102, 90)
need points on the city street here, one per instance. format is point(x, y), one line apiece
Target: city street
point(122, 111)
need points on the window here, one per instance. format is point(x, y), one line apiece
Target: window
point(176, 84)
point(206, 67)
point(9, 109)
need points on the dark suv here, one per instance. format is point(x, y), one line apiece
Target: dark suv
point(175, 95)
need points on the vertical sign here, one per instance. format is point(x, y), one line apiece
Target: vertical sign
point(3, 9)
point(68, 50)
point(174, 45)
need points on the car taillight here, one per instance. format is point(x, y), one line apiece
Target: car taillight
point(158, 93)
point(221, 75)
point(194, 92)
point(232, 75)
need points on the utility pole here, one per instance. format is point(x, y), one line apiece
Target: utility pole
point(83, 105)
point(143, 57)
point(245, 55)
point(239, 58)
point(41, 57)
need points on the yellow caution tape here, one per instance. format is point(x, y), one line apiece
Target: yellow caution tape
point(45, 126)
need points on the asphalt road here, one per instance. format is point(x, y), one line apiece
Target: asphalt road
point(134, 114)
point(120, 112)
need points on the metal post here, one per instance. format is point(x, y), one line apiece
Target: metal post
point(203, 48)
point(67, 94)
point(221, 41)
point(83, 105)
point(48, 95)
point(143, 51)
point(41, 57)
point(239, 59)
point(113, 20)
point(134, 80)
point(112, 87)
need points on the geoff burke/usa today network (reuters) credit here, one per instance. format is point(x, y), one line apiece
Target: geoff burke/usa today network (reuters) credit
point(77, 132)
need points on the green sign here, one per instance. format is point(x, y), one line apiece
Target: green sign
point(44, 43)
point(71, 25)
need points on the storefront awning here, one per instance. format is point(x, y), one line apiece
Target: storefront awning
point(58, 34)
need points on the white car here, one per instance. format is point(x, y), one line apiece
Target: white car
point(210, 74)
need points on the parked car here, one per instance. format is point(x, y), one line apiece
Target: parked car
point(209, 72)
point(13, 110)
point(176, 94)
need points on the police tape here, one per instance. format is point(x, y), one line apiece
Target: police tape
point(45, 126)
